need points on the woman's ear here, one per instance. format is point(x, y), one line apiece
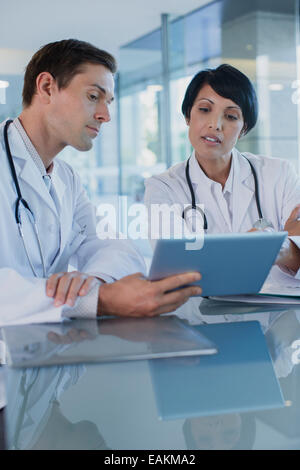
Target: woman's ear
point(243, 132)
point(187, 120)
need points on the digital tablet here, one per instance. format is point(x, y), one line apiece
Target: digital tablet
point(239, 379)
point(109, 340)
point(230, 263)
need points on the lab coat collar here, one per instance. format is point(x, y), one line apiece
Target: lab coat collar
point(198, 177)
point(58, 183)
point(27, 170)
point(242, 167)
point(240, 183)
point(243, 189)
point(229, 182)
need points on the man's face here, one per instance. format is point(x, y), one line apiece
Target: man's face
point(77, 112)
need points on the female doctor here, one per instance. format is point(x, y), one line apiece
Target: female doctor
point(237, 192)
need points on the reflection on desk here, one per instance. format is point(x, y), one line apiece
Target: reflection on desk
point(107, 340)
point(34, 416)
point(239, 378)
point(112, 406)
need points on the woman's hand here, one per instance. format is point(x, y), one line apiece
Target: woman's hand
point(292, 225)
point(289, 255)
point(74, 335)
point(66, 287)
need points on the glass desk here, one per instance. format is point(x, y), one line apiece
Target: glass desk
point(114, 406)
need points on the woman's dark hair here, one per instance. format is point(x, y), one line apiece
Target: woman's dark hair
point(230, 83)
point(63, 59)
point(246, 439)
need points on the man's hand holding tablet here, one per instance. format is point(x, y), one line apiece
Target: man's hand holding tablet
point(135, 296)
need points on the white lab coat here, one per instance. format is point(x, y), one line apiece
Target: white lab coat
point(279, 191)
point(32, 393)
point(67, 234)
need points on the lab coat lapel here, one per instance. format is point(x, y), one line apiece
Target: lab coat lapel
point(58, 185)
point(201, 184)
point(243, 190)
point(26, 169)
point(30, 175)
point(60, 188)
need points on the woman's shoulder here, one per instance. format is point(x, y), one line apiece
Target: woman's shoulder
point(268, 163)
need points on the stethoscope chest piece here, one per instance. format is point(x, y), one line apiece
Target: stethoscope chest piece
point(262, 224)
point(195, 217)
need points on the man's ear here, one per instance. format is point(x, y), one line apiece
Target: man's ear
point(187, 120)
point(44, 86)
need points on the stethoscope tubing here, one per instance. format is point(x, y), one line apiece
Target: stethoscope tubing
point(193, 198)
point(20, 200)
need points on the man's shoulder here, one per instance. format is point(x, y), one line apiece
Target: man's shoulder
point(2, 124)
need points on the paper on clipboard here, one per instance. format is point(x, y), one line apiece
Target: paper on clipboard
point(281, 291)
point(259, 299)
point(269, 294)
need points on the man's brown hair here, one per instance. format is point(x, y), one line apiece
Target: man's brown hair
point(63, 60)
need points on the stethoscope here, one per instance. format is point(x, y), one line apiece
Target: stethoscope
point(261, 223)
point(22, 202)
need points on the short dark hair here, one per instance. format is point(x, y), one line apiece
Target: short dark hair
point(63, 59)
point(230, 83)
point(246, 439)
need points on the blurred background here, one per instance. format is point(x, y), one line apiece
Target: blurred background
point(159, 46)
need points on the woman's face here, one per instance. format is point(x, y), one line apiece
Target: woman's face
point(215, 124)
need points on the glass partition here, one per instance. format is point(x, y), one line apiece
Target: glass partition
point(258, 37)
point(140, 93)
point(261, 41)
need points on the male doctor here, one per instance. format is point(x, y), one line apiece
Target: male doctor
point(68, 87)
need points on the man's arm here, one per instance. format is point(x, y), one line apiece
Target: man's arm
point(24, 300)
point(132, 296)
point(135, 296)
point(66, 287)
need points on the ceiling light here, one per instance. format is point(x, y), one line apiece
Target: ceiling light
point(275, 87)
point(154, 88)
point(4, 84)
